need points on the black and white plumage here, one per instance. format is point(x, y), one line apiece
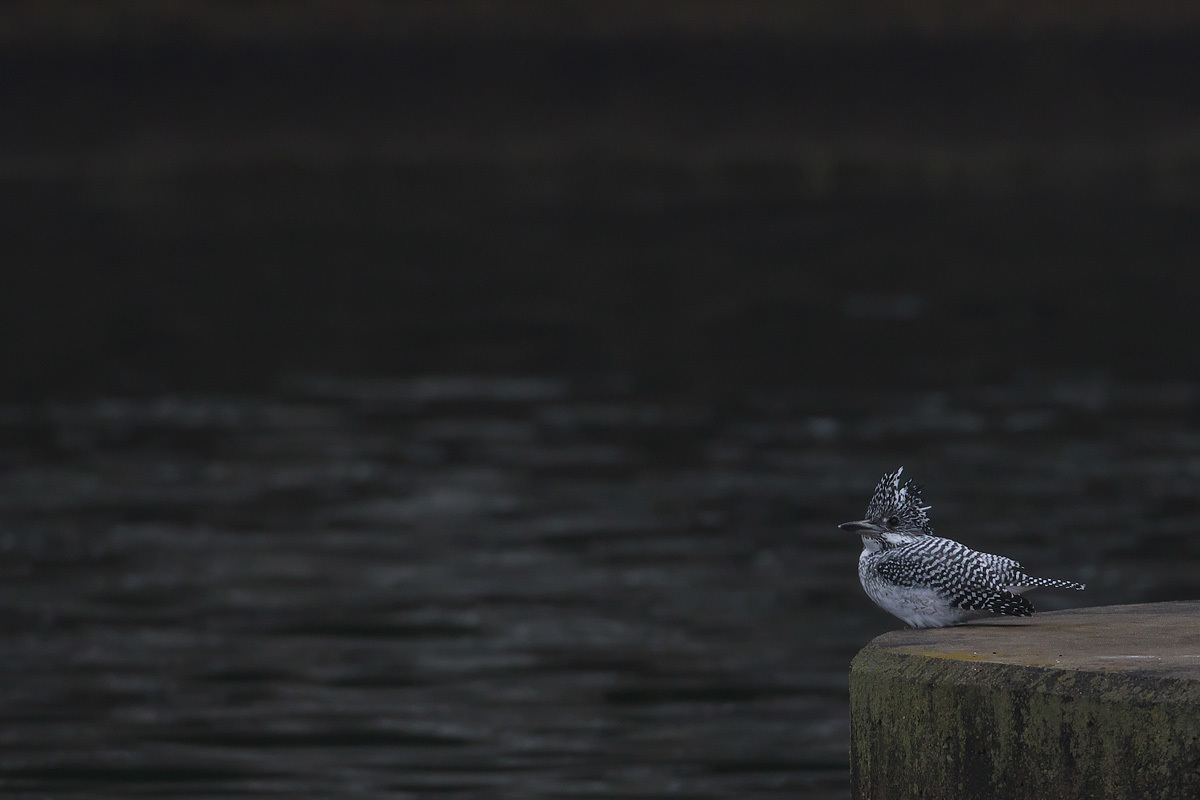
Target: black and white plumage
point(928, 581)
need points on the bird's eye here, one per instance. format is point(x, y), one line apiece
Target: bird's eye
point(893, 522)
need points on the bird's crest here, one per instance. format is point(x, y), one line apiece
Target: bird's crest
point(902, 501)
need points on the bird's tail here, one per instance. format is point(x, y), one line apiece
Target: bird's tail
point(1029, 582)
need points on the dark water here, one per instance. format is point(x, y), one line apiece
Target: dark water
point(564, 586)
point(520, 587)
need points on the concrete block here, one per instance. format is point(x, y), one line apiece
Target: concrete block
point(1090, 703)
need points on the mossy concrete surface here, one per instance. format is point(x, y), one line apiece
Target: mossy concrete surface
point(1090, 703)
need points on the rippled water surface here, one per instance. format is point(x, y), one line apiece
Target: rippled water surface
point(524, 587)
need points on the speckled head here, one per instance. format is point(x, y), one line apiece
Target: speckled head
point(895, 508)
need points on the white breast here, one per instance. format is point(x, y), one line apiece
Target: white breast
point(917, 606)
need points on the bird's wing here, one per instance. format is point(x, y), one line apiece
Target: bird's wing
point(961, 575)
point(1008, 571)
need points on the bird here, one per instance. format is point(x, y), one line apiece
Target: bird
point(928, 581)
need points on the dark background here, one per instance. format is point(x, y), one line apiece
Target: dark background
point(694, 194)
point(461, 397)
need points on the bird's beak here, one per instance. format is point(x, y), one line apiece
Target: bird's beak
point(862, 526)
